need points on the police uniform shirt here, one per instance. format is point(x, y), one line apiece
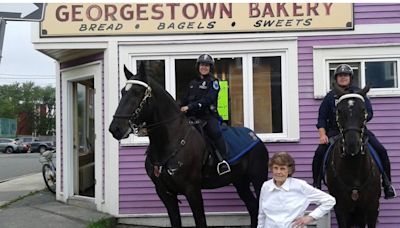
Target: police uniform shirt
point(202, 96)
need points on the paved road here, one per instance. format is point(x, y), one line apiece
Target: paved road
point(15, 165)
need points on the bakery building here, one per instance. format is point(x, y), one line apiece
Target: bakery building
point(277, 60)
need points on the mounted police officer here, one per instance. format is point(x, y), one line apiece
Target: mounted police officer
point(328, 128)
point(201, 102)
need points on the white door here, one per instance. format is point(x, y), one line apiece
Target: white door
point(81, 120)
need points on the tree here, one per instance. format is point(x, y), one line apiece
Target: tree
point(35, 103)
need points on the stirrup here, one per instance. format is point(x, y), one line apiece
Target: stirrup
point(219, 167)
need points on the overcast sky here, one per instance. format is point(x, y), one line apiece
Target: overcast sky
point(20, 61)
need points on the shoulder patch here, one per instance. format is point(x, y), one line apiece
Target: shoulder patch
point(216, 85)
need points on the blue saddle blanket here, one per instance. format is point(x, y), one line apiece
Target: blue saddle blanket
point(240, 140)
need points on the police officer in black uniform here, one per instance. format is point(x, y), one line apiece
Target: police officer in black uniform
point(327, 128)
point(201, 102)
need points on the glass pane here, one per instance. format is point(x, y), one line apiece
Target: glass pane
point(267, 94)
point(82, 115)
point(185, 72)
point(356, 72)
point(229, 72)
point(156, 69)
point(381, 74)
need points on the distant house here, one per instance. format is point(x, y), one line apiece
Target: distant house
point(278, 61)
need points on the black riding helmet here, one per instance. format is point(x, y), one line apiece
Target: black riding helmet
point(205, 59)
point(344, 69)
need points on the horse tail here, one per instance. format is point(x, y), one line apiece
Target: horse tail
point(258, 166)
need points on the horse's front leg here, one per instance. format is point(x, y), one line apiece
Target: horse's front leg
point(342, 219)
point(170, 201)
point(372, 217)
point(195, 199)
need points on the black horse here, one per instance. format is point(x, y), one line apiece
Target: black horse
point(177, 151)
point(352, 175)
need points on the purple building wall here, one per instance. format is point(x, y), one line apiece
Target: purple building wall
point(137, 194)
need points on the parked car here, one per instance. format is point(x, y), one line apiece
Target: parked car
point(36, 145)
point(12, 145)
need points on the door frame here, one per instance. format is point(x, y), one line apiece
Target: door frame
point(68, 76)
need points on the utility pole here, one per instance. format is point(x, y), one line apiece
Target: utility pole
point(2, 32)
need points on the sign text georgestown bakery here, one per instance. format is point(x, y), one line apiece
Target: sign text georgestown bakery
point(168, 18)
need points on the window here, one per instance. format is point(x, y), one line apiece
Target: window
point(376, 74)
point(157, 68)
point(259, 87)
point(267, 94)
point(374, 66)
point(230, 74)
point(381, 74)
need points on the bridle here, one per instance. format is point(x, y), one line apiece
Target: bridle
point(355, 190)
point(135, 115)
point(344, 130)
point(136, 128)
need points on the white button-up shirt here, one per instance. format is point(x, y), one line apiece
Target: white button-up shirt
point(280, 206)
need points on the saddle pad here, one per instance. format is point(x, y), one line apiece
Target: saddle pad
point(240, 140)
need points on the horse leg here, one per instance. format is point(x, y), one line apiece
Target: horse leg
point(372, 218)
point(343, 221)
point(171, 203)
point(243, 188)
point(195, 200)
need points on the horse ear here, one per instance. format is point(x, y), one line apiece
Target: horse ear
point(128, 74)
point(364, 91)
point(339, 92)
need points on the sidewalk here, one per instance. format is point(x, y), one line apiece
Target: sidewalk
point(40, 208)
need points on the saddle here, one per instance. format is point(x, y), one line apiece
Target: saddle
point(239, 140)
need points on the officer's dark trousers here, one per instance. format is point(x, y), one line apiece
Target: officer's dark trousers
point(213, 130)
point(380, 150)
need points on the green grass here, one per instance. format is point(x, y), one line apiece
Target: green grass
point(102, 223)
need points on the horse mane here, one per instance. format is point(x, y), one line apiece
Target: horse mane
point(161, 93)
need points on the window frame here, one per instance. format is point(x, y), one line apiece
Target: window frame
point(324, 55)
point(286, 49)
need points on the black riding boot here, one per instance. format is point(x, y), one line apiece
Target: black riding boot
point(222, 166)
point(388, 189)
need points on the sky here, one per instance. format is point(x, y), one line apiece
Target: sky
point(20, 62)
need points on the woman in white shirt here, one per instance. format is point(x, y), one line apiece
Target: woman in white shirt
point(284, 199)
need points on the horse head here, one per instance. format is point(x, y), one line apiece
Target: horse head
point(134, 105)
point(351, 118)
